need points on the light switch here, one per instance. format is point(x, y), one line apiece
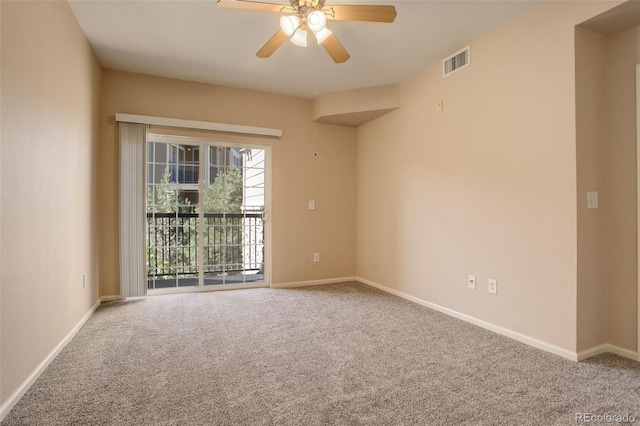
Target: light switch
point(592, 200)
point(312, 205)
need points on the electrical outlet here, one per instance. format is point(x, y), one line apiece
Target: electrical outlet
point(312, 205)
point(316, 257)
point(493, 286)
point(472, 282)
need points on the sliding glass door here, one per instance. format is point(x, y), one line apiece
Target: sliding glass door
point(205, 214)
point(172, 218)
point(233, 205)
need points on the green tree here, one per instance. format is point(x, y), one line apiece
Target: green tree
point(224, 234)
point(224, 195)
point(167, 196)
point(167, 233)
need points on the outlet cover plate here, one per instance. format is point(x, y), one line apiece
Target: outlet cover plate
point(493, 286)
point(471, 282)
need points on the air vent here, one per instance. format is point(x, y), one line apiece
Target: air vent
point(457, 61)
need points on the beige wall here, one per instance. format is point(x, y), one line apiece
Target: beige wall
point(298, 175)
point(623, 53)
point(358, 106)
point(50, 132)
point(606, 162)
point(591, 160)
point(488, 186)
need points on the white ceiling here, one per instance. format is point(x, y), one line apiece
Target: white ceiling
point(199, 41)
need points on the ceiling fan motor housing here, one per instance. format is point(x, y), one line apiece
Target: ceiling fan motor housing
point(307, 4)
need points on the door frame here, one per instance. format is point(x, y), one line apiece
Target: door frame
point(201, 143)
point(638, 200)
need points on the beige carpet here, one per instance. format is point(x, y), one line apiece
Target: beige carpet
point(338, 354)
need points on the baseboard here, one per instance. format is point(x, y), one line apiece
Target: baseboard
point(104, 299)
point(539, 344)
point(606, 347)
point(24, 387)
point(313, 282)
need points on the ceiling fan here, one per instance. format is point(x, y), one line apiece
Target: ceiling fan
point(312, 15)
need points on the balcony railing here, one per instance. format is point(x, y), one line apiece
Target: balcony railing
point(186, 172)
point(233, 245)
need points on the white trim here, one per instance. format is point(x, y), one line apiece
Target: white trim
point(600, 349)
point(266, 220)
point(638, 200)
point(206, 288)
point(202, 143)
point(24, 387)
point(596, 350)
point(625, 353)
point(199, 125)
point(314, 282)
point(155, 136)
point(104, 299)
point(539, 344)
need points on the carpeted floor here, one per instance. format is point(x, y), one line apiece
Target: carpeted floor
point(337, 354)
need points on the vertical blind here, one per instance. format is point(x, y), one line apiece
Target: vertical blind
point(133, 137)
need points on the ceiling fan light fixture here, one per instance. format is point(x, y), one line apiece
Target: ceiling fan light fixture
point(299, 38)
point(289, 23)
point(323, 34)
point(316, 20)
point(312, 14)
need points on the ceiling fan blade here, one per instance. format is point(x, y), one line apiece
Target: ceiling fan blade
point(272, 45)
point(335, 49)
point(253, 5)
point(385, 14)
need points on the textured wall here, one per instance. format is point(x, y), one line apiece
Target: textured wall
point(50, 133)
point(623, 53)
point(297, 174)
point(606, 160)
point(591, 162)
point(488, 186)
